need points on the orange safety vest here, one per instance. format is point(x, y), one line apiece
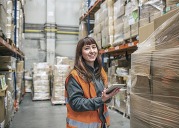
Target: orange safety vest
point(87, 119)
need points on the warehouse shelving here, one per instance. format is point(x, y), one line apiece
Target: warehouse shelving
point(91, 10)
point(89, 15)
point(10, 49)
point(132, 46)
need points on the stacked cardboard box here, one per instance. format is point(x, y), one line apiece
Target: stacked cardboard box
point(28, 82)
point(9, 79)
point(7, 63)
point(119, 11)
point(131, 19)
point(60, 72)
point(20, 89)
point(147, 30)
point(150, 10)
point(6, 105)
point(107, 23)
point(2, 110)
point(3, 15)
point(154, 96)
point(171, 5)
point(117, 74)
point(104, 24)
point(9, 15)
point(41, 81)
point(97, 28)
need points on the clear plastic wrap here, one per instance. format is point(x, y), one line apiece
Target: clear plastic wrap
point(62, 60)
point(155, 79)
point(150, 10)
point(41, 83)
point(171, 2)
point(82, 30)
point(165, 36)
point(119, 9)
point(60, 73)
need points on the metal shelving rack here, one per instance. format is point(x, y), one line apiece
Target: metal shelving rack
point(8, 48)
point(132, 46)
point(89, 15)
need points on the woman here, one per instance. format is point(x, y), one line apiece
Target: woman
point(85, 89)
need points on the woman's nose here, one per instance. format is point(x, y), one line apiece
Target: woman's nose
point(91, 49)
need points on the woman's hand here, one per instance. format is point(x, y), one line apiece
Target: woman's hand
point(105, 96)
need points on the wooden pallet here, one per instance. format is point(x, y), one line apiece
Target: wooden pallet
point(54, 102)
point(9, 41)
point(34, 99)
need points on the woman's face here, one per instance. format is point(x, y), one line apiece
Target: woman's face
point(89, 53)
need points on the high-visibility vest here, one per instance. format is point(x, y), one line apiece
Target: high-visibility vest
point(86, 119)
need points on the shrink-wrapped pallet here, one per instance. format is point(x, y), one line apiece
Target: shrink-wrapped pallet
point(150, 10)
point(28, 82)
point(118, 30)
point(60, 72)
point(155, 78)
point(105, 15)
point(20, 66)
point(170, 3)
point(9, 108)
point(41, 81)
point(119, 8)
point(82, 30)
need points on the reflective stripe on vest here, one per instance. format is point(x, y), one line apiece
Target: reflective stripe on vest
point(106, 114)
point(66, 100)
point(78, 124)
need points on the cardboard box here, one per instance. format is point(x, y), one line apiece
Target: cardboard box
point(141, 63)
point(147, 30)
point(3, 91)
point(2, 109)
point(141, 85)
point(165, 64)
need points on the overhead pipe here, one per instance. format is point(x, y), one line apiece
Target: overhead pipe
point(32, 31)
point(51, 30)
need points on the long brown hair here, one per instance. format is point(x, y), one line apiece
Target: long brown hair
point(80, 65)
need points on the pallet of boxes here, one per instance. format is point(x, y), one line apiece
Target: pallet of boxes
point(41, 81)
point(155, 75)
point(60, 72)
point(118, 73)
point(28, 81)
point(7, 90)
point(20, 88)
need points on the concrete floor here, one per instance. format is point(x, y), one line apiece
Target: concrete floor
point(41, 114)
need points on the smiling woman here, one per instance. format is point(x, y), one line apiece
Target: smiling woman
point(89, 53)
point(85, 92)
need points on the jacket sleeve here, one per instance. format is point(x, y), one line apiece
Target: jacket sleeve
point(77, 100)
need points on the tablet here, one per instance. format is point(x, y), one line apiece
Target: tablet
point(114, 86)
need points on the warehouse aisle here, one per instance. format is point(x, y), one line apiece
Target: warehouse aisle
point(41, 114)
